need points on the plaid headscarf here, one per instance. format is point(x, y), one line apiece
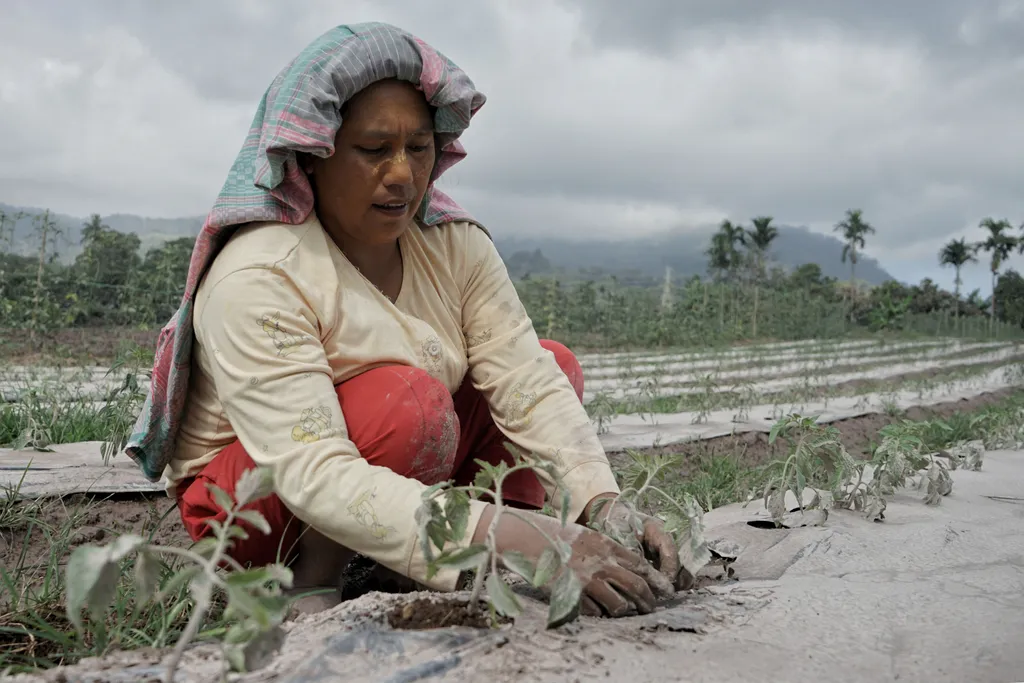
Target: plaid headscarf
point(300, 112)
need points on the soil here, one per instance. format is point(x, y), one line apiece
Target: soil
point(440, 612)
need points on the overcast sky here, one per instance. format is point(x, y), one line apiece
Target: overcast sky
point(604, 117)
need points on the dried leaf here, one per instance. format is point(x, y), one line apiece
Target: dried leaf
point(547, 564)
point(501, 596)
point(519, 563)
point(564, 603)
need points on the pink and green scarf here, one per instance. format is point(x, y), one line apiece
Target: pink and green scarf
point(300, 112)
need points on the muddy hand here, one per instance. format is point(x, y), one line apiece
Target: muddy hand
point(644, 534)
point(615, 581)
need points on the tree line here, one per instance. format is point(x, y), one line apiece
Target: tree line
point(745, 296)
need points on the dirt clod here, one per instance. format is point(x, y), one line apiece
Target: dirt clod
point(441, 612)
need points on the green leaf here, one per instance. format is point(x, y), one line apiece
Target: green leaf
point(176, 581)
point(220, 496)
point(519, 563)
point(501, 596)
point(464, 558)
point(253, 485)
point(92, 575)
point(547, 565)
point(147, 575)
point(255, 518)
point(205, 546)
point(564, 604)
point(566, 505)
point(240, 601)
point(438, 533)
point(485, 475)
point(91, 582)
point(249, 578)
point(456, 510)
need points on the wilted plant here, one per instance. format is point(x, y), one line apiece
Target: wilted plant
point(255, 601)
point(443, 517)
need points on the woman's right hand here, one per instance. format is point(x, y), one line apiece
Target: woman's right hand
point(615, 580)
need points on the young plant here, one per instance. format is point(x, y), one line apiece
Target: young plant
point(684, 518)
point(643, 401)
point(815, 458)
point(255, 601)
point(602, 410)
point(746, 399)
point(442, 521)
point(706, 398)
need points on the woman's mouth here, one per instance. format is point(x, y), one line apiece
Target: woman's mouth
point(394, 209)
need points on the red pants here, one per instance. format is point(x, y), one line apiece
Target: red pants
point(385, 436)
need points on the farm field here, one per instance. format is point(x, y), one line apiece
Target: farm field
point(709, 413)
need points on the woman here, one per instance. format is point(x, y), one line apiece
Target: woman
point(357, 333)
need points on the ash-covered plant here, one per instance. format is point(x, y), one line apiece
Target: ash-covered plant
point(602, 410)
point(121, 405)
point(443, 517)
point(683, 516)
point(746, 398)
point(706, 397)
point(815, 457)
point(255, 600)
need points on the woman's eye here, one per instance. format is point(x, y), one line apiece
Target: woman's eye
point(417, 149)
point(372, 151)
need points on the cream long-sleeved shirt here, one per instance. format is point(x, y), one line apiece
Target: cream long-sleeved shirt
point(282, 317)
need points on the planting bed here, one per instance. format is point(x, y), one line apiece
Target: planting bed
point(850, 600)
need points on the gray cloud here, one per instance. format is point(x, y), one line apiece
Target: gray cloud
point(603, 118)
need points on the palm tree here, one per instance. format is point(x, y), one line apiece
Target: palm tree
point(723, 255)
point(957, 253)
point(758, 240)
point(853, 229)
point(1000, 245)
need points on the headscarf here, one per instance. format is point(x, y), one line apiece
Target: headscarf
point(300, 112)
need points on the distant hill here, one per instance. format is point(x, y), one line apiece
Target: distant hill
point(151, 231)
point(636, 259)
point(682, 250)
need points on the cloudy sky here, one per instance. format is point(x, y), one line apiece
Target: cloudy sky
point(603, 117)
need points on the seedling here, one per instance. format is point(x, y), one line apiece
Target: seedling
point(602, 410)
point(706, 397)
point(255, 601)
point(684, 518)
point(443, 517)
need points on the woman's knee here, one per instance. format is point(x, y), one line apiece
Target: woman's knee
point(402, 418)
point(568, 362)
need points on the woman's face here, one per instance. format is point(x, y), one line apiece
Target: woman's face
point(370, 188)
